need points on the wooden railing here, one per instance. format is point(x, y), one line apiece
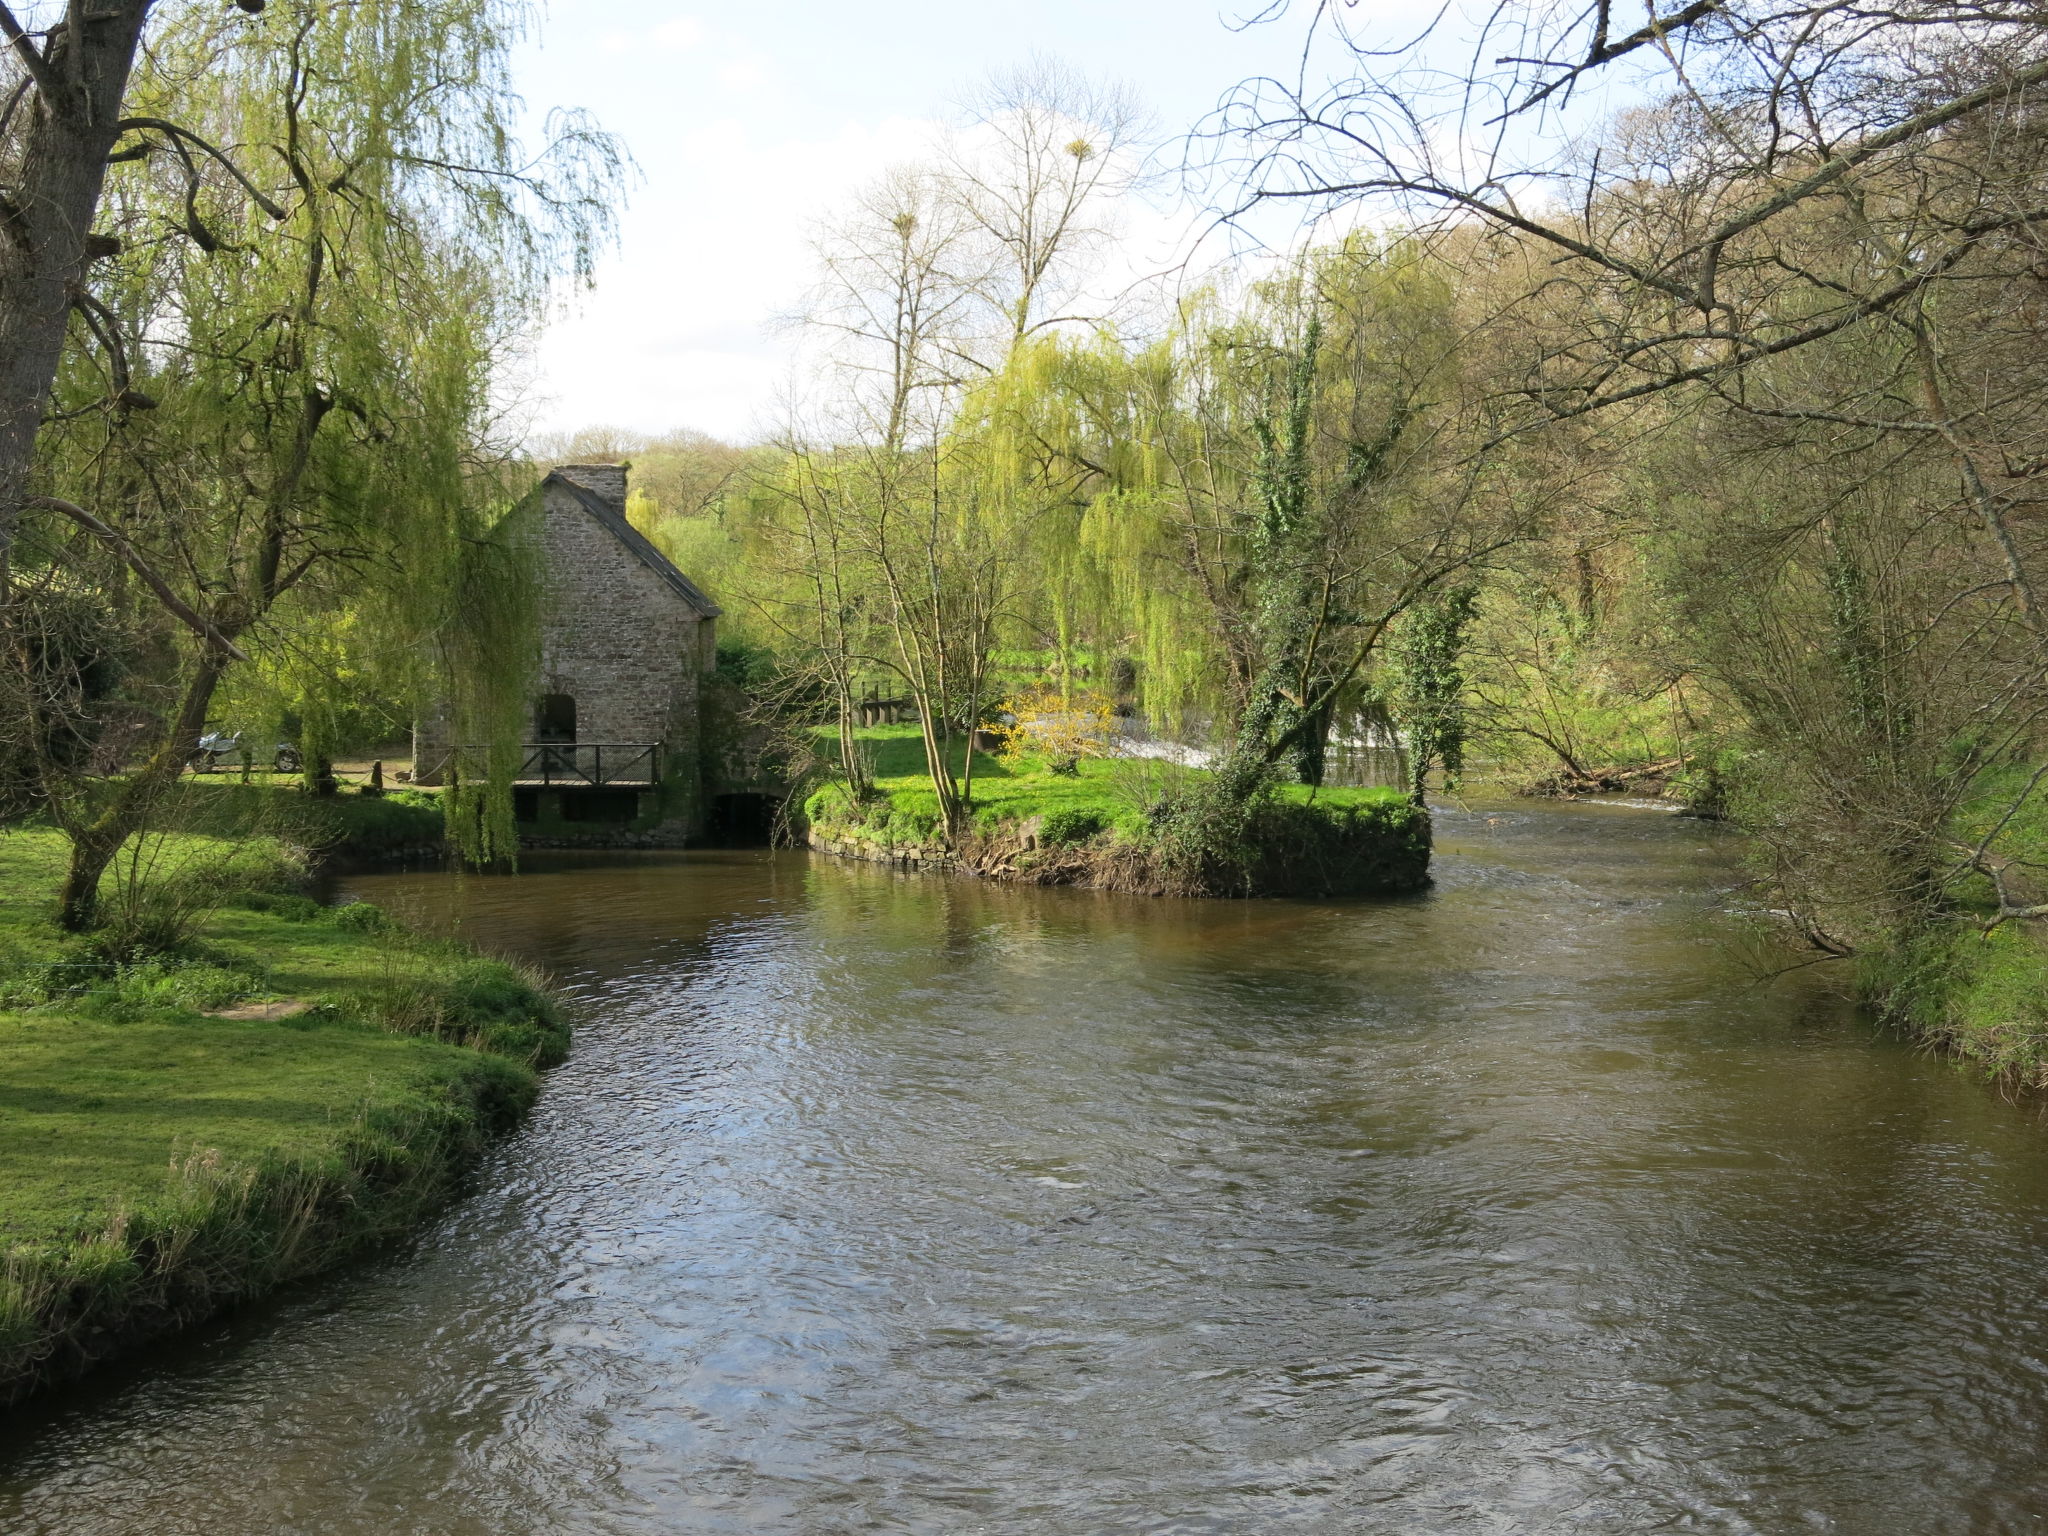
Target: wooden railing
point(594, 763)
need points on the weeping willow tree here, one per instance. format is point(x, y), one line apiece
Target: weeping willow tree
point(1269, 487)
point(277, 409)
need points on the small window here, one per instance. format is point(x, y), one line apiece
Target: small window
point(554, 718)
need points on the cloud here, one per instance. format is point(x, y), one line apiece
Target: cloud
point(750, 125)
point(680, 330)
point(742, 75)
point(681, 32)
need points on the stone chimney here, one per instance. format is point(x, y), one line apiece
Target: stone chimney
point(606, 480)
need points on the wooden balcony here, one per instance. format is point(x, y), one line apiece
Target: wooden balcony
point(591, 764)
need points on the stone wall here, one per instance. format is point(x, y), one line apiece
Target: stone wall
point(846, 843)
point(615, 636)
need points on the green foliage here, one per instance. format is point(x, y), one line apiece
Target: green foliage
point(363, 826)
point(1075, 824)
point(69, 650)
point(291, 1143)
point(1426, 684)
point(316, 462)
point(362, 917)
point(750, 668)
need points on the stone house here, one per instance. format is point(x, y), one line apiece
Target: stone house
point(615, 745)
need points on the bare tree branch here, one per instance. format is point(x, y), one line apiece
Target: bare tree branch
point(256, 195)
point(114, 540)
point(36, 63)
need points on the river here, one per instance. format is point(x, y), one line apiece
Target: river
point(880, 1203)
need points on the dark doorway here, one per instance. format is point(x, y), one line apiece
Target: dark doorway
point(554, 718)
point(741, 821)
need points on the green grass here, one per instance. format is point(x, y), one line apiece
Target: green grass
point(345, 823)
point(1982, 996)
point(1115, 789)
point(97, 1111)
point(1002, 792)
point(1108, 803)
point(157, 1162)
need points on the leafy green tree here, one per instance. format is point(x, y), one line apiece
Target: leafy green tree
point(284, 413)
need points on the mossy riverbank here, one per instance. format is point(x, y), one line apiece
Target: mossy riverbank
point(1104, 826)
point(272, 1087)
point(406, 823)
point(1966, 985)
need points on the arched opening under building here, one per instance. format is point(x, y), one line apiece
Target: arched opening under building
point(741, 821)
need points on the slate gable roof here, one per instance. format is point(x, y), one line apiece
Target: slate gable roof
point(613, 521)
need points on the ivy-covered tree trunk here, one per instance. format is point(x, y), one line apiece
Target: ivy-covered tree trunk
point(1428, 684)
point(1286, 604)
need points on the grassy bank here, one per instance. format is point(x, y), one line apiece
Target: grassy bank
point(276, 1087)
point(345, 825)
point(1104, 826)
point(1981, 995)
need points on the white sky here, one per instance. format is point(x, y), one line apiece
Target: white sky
point(751, 121)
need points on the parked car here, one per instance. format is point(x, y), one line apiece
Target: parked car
point(217, 747)
point(213, 748)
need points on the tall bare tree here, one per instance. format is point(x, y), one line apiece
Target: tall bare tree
point(1039, 174)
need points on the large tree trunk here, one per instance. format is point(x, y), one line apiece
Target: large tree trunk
point(96, 841)
point(73, 119)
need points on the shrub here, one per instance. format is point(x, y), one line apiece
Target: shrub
point(1075, 825)
point(144, 924)
point(31, 974)
point(289, 906)
point(1209, 843)
point(362, 917)
point(163, 886)
point(1062, 726)
point(131, 994)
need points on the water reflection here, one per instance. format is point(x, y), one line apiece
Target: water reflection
point(873, 1203)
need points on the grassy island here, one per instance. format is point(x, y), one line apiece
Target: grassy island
point(1105, 824)
point(253, 1090)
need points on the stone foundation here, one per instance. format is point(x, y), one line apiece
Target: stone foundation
point(924, 856)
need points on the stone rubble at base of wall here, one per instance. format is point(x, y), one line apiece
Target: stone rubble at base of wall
point(902, 855)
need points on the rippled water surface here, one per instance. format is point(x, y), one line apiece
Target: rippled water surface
point(874, 1203)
